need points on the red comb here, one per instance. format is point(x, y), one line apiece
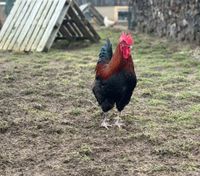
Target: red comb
point(126, 38)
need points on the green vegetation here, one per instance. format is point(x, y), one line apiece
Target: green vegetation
point(50, 120)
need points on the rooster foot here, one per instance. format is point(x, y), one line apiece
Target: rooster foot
point(118, 122)
point(105, 124)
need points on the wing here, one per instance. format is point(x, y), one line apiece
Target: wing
point(126, 91)
point(102, 92)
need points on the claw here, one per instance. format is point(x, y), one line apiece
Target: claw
point(118, 124)
point(118, 121)
point(105, 125)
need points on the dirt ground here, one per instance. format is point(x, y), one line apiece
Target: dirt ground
point(50, 120)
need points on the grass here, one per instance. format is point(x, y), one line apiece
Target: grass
point(50, 121)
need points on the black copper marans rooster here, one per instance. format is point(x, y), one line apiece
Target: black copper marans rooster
point(115, 77)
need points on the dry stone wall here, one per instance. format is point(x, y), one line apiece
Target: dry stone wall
point(177, 19)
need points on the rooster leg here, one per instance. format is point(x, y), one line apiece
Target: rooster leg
point(118, 121)
point(105, 124)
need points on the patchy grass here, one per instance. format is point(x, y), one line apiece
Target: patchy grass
point(50, 120)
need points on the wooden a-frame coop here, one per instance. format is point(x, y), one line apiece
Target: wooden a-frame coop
point(33, 25)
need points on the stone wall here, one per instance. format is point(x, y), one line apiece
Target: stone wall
point(177, 19)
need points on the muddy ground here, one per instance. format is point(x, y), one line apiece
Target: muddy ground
point(50, 121)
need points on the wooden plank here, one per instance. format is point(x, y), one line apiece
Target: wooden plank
point(55, 21)
point(9, 25)
point(80, 24)
point(67, 30)
point(65, 33)
point(73, 25)
point(58, 25)
point(45, 23)
point(26, 27)
point(96, 37)
point(9, 19)
point(70, 28)
point(67, 20)
point(43, 19)
point(33, 25)
point(29, 21)
point(76, 29)
point(59, 34)
point(19, 25)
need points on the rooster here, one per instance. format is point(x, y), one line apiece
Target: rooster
point(115, 78)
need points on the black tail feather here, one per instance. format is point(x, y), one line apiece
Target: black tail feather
point(106, 52)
